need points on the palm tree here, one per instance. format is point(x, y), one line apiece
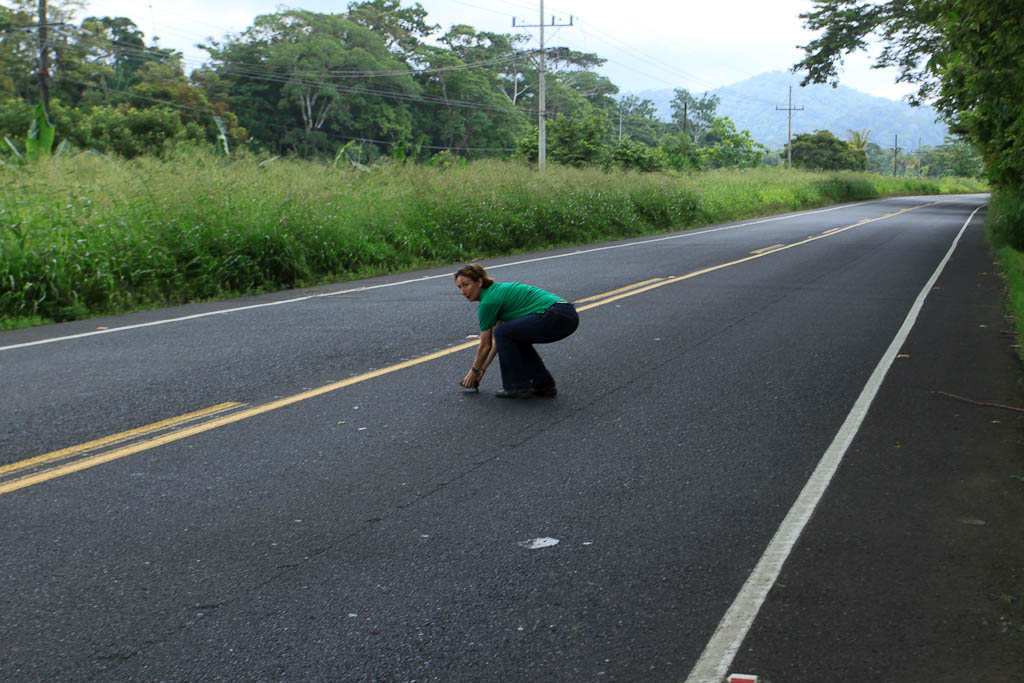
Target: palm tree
point(858, 139)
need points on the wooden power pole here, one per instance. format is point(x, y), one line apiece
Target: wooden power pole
point(542, 131)
point(44, 60)
point(789, 133)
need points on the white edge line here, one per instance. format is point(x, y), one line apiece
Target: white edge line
point(154, 323)
point(728, 637)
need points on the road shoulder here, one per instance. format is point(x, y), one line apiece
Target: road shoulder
point(912, 568)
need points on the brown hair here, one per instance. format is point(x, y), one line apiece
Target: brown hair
point(474, 271)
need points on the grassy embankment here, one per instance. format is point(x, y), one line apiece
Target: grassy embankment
point(87, 235)
point(1005, 227)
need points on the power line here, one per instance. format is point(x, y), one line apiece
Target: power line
point(359, 89)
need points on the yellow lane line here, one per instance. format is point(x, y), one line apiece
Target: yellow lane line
point(711, 269)
point(99, 459)
point(616, 291)
point(764, 249)
point(72, 451)
point(238, 416)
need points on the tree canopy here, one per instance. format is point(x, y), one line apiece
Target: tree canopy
point(964, 56)
point(822, 151)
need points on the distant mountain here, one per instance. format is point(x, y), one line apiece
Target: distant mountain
point(751, 104)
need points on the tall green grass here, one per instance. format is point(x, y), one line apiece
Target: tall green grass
point(1011, 265)
point(89, 235)
point(1005, 228)
point(1005, 223)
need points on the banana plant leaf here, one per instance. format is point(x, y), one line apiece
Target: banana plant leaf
point(40, 136)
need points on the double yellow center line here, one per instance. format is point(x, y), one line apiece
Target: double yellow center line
point(24, 473)
point(21, 474)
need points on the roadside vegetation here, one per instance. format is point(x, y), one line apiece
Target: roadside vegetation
point(87, 235)
point(1005, 228)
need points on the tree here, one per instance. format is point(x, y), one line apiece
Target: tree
point(638, 119)
point(879, 160)
point(962, 54)
point(401, 27)
point(731, 149)
point(579, 138)
point(960, 159)
point(131, 132)
point(106, 59)
point(631, 154)
point(65, 56)
point(692, 116)
point(19, 51)
point(955, 158)
point(823, 151)
point(910, 30)
point(590, 85)
point(306, 78)
point(469, 111)
point(679, 152)
point(859, 139)
point(569, 80)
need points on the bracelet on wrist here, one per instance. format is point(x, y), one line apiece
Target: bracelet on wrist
point(478, 369)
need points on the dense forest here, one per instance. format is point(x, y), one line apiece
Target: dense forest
point(376, 81)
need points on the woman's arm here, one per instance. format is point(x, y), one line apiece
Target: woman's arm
point(484, 355)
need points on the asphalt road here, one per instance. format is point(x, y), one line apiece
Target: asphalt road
point(344, 511)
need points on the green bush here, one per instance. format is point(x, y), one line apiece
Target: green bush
point(1006, 219)
point(634, 155)
point(679, 152)
point(130, 132)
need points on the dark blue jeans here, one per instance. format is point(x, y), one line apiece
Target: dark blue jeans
point(521, 367)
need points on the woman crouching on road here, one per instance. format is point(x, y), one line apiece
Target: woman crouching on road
point(513, 317)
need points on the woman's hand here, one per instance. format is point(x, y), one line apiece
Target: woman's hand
point(484, 354)
point(472, 379)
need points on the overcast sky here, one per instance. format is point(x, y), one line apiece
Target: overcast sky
point(649, 44)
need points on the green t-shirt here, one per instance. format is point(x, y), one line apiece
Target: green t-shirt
point(510, 300)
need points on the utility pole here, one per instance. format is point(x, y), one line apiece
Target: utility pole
point(789, 134)
point(620, 121)
point(919, 158)
point(542, 129)
point(44, 61)
point(895, 153)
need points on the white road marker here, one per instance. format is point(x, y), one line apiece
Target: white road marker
point(728, 637)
